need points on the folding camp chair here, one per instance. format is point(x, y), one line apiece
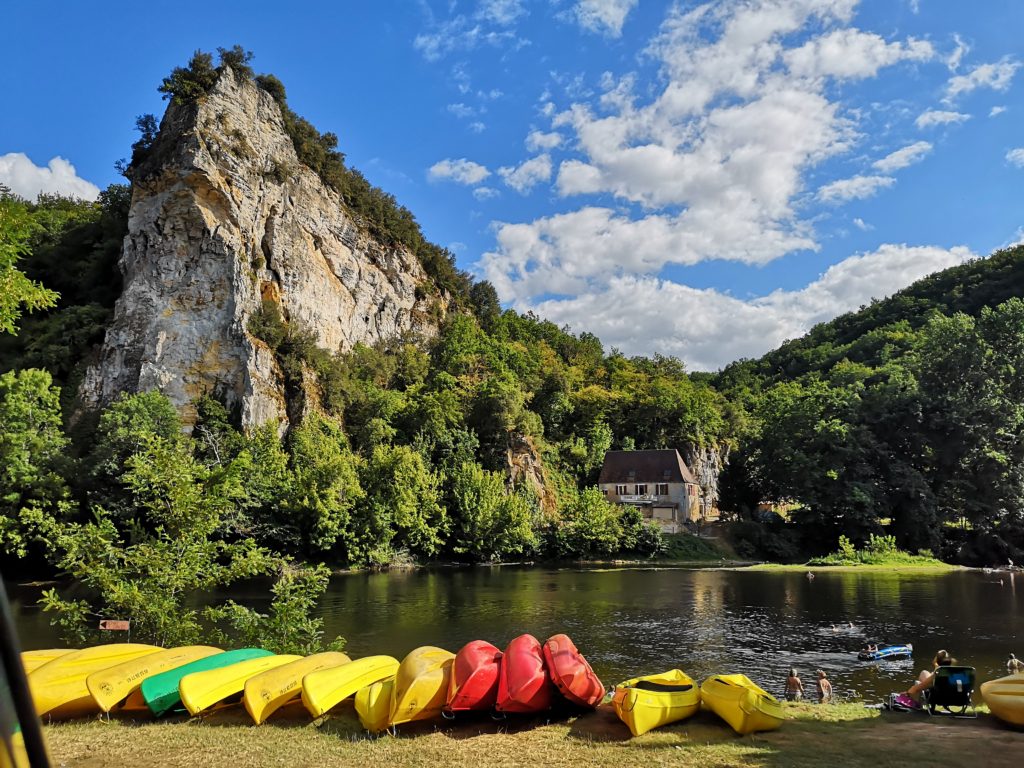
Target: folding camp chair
point(951, 692)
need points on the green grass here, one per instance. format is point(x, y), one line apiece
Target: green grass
point(689, 548)
point(879, 551)
point(815, 736)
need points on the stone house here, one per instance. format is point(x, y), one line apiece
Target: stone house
point(658, 481)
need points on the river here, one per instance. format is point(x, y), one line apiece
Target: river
point(631, 621)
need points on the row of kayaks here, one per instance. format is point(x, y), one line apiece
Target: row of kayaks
point(526, 677)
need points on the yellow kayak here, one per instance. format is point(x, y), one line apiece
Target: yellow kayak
point(58, 686)
point(324, 689)
point(201, 690)
point(109, 687)
point(34, 659)
point(421, 684)
point(268, 691)
point(373, 704)
point(741, 703)
point(1005, 698)
point(650, 702)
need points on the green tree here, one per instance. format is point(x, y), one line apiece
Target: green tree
point(17, 292)
point(590, 526)
point(488, 522)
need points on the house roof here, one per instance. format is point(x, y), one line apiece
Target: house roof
point(662, 466)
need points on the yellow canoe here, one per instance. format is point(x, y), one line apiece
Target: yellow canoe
point(58, 686)
point(109, 687)
point(373, 704)
point(741, 703)
point(201, 690)
point(421, 684)
point(31, 660)
point(268, 691)
point(324, 689)
point(1005, 698)
point(652, 701)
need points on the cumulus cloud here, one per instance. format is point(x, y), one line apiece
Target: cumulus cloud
point(855, 188)
point(492, 24)
point(961, 50)
point(996, 111)
point(527, 175)
point(996, 75)
point(462, 171)
point(850, 53)
point(1016, 157)
point(707, 328)
point(485, 193)
point(901, 158)
point(58, 177)
point(538, 140)
point(862, 225)
point(605, 17)
point(933, 117)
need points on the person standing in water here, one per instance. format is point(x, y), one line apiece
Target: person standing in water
point(794, 688)
point(1014, 666)
point(824, 687)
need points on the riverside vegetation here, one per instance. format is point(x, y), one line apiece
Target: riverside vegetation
point(904, 419)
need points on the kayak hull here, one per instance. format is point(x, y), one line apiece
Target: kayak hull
point(474, 678)
point(571, 673)
point(326, 688)
point(373, 704)
point(31, 660)
point(58, 687)
point(201, 690)
point(741, 703)
point(268, 691)
point(421, 685)
point(1005, 698)
point(160, 692)
point(112, 686)
point(524, 685)
point(645, 703)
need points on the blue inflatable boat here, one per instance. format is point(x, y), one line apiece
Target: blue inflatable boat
point(885, 652)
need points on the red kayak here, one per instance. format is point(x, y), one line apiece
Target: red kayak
point(524, 685)
point(571, 673)
point(474, 681)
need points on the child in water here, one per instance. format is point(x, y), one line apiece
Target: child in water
point(794, 688)
point(824, 687)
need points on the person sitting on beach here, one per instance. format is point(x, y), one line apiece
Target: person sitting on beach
point(926, 679)
point(824, 687)
point(794, 688)
point(1014, 666)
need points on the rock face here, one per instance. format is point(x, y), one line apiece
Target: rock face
point(227, 218)
point(707, 463)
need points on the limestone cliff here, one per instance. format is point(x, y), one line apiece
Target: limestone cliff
point(223, 217)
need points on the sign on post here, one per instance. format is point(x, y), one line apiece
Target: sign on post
point(115, 624)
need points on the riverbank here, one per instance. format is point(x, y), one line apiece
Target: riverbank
point(840, 734)
point(932, 567)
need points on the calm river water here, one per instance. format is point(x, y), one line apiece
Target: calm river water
point(643, 620)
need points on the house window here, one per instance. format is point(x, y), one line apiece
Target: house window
point(641, 490)
point(620, 490)
point(661, 489)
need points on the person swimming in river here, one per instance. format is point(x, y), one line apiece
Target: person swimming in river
point(794, 687)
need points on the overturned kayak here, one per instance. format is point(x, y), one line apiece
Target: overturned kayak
point(58, 686)
point(268, 691)
point(160, 692)
point(326, 688)
point(571, 673)
point(652, 701)
point(741, 703)
point(1005, 698)
point(31, 660)
point(112, 686)
point(523, 684)
point(373, 705)
point(201, 690)
point(421, 685)
point(887, 653)
point(474, 679)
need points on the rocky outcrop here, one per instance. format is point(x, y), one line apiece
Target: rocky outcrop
point(707, 463)
point(524, 468)
point(224, 218)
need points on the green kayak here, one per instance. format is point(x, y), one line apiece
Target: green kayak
point(161, 691)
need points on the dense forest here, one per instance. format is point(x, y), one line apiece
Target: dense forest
point(483, 443)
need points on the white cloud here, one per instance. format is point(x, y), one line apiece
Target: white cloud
point(851, 53)
point(477, 127)
point(462, 111)
point(603, 16)
point(961, 50)
point(708, 329)
point(58, 177)
point(862, 225)
point(538, 140)
point(933, 117)
point(492, 24)
point(1016, 157)
point(901, 158)
point(485, 193)
point(527, 175)
point(996, 75)
point(462, 171)
point(501, 12)
point(855, 188)
point(995, 111)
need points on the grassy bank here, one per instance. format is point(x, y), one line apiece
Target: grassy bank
point(933, 567)
point(841, 734)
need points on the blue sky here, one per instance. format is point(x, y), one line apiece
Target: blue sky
point(697, 180)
